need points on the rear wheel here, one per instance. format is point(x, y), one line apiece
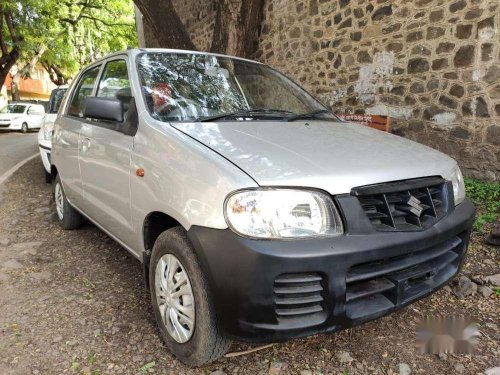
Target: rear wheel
point(69, 218)
point(182, 302)
point(24, 128)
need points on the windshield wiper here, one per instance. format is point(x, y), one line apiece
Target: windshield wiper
point(310, 115)
point(246, 113)
point(271, 110)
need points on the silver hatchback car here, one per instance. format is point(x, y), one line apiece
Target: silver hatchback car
point(258, 215)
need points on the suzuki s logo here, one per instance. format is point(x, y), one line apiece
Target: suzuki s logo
point(415, 206)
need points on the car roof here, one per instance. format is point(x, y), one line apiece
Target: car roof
point(132, 52)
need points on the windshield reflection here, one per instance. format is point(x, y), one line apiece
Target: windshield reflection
point(189, 87)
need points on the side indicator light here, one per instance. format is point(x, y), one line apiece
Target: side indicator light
point(139, 172)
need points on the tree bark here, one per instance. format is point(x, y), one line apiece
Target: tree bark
point(237, 25)
point(8, 58)
point(14, 88)
point(6, 64)
point(165, 24)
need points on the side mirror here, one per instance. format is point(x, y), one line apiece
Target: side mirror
point(103, 109)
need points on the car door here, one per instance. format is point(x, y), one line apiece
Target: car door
point(35, 115)
point(68, 137)
point(105, 158)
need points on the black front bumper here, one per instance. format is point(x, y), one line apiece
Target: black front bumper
point(267, 291)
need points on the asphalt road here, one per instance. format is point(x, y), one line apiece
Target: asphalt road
point(15, 147)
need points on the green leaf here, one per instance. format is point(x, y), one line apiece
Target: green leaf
point(147, 366)
point(71, 34)
point(486, 197)
point(74, 366)
point(92, 359)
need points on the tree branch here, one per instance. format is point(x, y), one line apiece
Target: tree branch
point(10, 25)
point(95, 19)
point(56, 75)
point(3, 45)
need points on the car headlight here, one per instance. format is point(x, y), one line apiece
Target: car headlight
point(282, 214)
point(457, 179)
point(48, 128)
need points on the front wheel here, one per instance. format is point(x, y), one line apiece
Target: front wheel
point(69, 218)
point(182, 302)
point(24, 128)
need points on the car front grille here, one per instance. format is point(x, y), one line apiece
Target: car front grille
point(375, 287)
point(298, 295)
point(405, 205)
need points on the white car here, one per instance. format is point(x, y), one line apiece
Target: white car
point(45, 133)
point(21, 116)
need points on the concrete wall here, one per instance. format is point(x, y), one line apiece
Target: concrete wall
point(432, 65)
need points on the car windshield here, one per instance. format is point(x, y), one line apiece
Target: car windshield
point(187, 87)
point(13, 108)
point(55, 100)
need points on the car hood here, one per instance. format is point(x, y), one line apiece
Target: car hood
point(331, 156)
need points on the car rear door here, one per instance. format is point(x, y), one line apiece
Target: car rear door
point(68, 136)
point(36, 114)
point(105, 158)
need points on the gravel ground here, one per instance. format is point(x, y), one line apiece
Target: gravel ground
point(74, 303)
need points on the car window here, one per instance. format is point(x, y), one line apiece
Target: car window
point(115, 83)
point(55, 100)
point(83, 89)
point(36, 110)
point(13, 108)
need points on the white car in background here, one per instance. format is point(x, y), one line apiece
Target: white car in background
point(21, 116)
point(45, 133)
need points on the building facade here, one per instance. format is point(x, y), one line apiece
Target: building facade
point(37, 86)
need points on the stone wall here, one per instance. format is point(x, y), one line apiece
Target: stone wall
point(199, 19)
point(432, 65)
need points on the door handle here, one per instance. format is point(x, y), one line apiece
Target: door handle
point(85, 144)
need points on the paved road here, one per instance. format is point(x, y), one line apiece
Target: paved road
point(15, 147)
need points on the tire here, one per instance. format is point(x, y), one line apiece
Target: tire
point(69, 218)
point(207, 341)
point(48, 177)
point(24, 128)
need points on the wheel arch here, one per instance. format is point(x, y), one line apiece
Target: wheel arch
point(53, 171)
point(155, 223)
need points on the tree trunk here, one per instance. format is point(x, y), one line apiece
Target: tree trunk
point(8, 58)
point(14, 88)
point(164, 24)
point(6, 63)
point(237, 26)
